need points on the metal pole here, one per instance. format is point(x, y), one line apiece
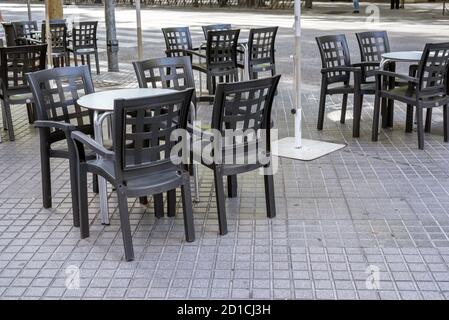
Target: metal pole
point(29, 9)
point(48, 34)
point(111, 35)
point(297, 80)
point(139, 31)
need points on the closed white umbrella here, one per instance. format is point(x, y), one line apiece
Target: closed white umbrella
point(296, 147)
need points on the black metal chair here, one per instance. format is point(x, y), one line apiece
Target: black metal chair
point(220, 58)
point(243, 108)
point(55, 93)
point(215, 27)
point(15, 62)
point(427, 90)
point(335, 78)
point(84, 43)
point(139, 165)
point(174, 73)
point(261, 50)
point(24, 30)
point(59, 43)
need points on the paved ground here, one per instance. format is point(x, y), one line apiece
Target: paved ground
point(370, 207)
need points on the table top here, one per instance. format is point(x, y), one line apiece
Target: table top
point(104, 100)
point(403, 55)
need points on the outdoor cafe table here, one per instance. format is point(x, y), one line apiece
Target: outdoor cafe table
point(102, 105)
point(397, 56)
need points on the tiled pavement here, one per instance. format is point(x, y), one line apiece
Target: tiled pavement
point(369, 207)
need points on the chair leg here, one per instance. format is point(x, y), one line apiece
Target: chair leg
point(409, 119)
point(46, 179)
point(30, 112)
point(446, 123)
point(269, 195)
point(420, 126)
point(375, 130)
point(187, 210)
point(343, 108)
point(428, 124)
point(82, 59)
point(125, 225)
point(171, 203)
point(232, 186)
point(358, 102)
point(143, 200)
point(95, 183)
point(74, 185)
point(158, 205)
point(83, 202)
point(67, 59)
point(321, 108)
point(220, 197)
point(5, 123)
point(97, 62)
point(75, 59)
point(8, 117)
point(88, 63)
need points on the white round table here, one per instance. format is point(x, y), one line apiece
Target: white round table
point(102, 104)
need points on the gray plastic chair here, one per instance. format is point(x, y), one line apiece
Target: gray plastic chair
point(15, 62)
point(59, 43)
point(429, 89)
point(84, 43)
point(55, 94)
point(241, 106)
point(174, 73)
point(24, 30)
point(139, 165)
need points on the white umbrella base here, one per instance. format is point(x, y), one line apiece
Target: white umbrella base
point(310, 150)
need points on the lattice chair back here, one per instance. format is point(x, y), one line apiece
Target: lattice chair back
point(334, 52)
point(171, 72)
point(221, 51)
point(56, 92)
point(433, 70)
point(84, 35)
point(24, 29)
point(215, 27)
point(177, 40)
point(143, 129)
point(372, 45)
point(58, 32)
point(244, 108)
point(261, 47)
point(16, 62)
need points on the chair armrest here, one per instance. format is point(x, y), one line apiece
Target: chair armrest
point(92, 144)
point(193, 52)
point(64, 126)
point(379, 73)
point(366, 64)
point(340, 69)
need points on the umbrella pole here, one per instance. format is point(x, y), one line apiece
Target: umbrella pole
point(297, 80)
point(48, 34)
point(29, 9)
point(139, 31)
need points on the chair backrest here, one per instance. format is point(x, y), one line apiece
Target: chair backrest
point(177, 40)
point(172, 72)
point(372, 45)
point(17, 61)
point(334, 52)
point(221, 49)
point(56, 92)
point(433, 70)
point(24, 29)
point(143, 129)
point(58, 32)
point(84, 35)
point(261, 45)
point(215, 27)
point(244, 105)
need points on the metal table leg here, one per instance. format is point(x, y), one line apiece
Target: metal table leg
point(102, 184)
